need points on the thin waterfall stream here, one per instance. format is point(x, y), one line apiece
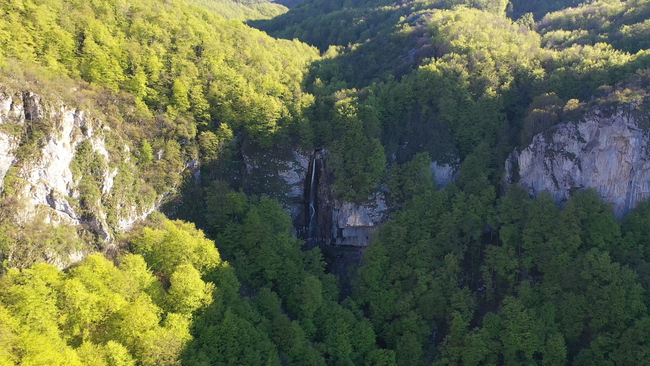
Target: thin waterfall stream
point(311, 228)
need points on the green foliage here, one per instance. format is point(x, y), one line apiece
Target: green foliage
point(357, 160)
point(290, 311)
point(539, 8)
point(543, 112)
point(173, 244)
point(411, 179)
point(95, 314)
point(262, 247)
point(187, 292)
point(25, 241)
point(243, 9)
point(146, 152)
point(452, 82)
point(622, 24)
point(544, 262)
point(342, 22)
point(177, 58)
point(89, 168)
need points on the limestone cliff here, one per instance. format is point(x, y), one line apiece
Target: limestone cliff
point(607, 150)
point(40, 155)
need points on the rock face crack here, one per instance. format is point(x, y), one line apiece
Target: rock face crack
point(629, 200)
point(605, 152)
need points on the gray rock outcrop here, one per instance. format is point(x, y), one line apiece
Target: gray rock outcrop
point(608, 152)
point(444, 173)
point(43, 180)
point(354, 224)
point(293, 173)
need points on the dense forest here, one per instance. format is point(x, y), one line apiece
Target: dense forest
point(477, 272)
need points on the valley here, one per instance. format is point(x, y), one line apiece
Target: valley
point(252, 182)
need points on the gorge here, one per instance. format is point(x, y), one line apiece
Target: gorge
point(333, 183)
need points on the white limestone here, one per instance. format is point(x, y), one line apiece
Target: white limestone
point(608, 153)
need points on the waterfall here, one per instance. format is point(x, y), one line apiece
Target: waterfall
point(311, 229)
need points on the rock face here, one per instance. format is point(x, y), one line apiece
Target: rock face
point(43, 179)
point(444, 174)
point(355, 224)
point(608, 152)
point(294, 173)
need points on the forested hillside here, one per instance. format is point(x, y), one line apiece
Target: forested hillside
point(243, 9)
point(241, 136)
